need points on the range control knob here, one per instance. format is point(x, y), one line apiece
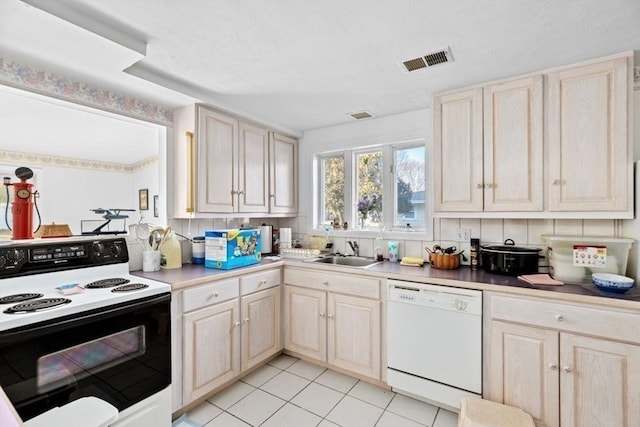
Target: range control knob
point(15, 255)
point(116, 249)
point(98, 248)
point(3, 261)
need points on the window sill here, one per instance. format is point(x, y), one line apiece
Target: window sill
point(387, 235)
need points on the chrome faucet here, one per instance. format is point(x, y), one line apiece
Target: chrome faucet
point(354, 247)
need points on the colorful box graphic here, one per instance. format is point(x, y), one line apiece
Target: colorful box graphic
point(227, 249)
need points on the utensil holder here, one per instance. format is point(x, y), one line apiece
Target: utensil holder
point(444, 261)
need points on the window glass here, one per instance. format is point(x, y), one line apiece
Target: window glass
point(333, 190)
point(369, 189)
point(410, 187)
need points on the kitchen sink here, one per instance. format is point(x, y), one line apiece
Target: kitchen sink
point(358, 262)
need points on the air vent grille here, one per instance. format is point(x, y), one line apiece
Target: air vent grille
point(428, 60)
point(414, 64)
point(361, 115)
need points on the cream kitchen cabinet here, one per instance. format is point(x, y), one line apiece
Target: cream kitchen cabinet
point(334, 318)
point(260, 331)
point(283, 185)
point(489, 148)
point(211, 338)
point(565, 364)
point(228, 327)
point(521, 148)
point(233, 165)
point(228, 166)
point(590, 154)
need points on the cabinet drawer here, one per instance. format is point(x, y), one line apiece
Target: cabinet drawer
point(342, 283)
point(213, 293)
point(618, 324)
point(259, 281)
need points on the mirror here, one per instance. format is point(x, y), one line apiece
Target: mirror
point(83, 159)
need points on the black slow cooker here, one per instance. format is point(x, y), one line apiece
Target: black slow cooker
point(509, 259)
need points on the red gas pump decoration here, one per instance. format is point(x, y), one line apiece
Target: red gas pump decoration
point(23, 202)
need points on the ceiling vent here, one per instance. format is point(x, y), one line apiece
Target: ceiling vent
point(428, 60)
point(361, 115)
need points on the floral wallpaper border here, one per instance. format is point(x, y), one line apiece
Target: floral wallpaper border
point(16, 157)
point(26, 77)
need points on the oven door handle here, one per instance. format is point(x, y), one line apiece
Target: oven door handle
point(26, 332)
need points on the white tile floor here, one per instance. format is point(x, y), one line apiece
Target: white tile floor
point(289, 392)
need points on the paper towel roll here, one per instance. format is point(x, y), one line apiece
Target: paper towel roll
point(285, 238)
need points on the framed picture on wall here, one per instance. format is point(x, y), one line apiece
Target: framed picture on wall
point(155, 206)
point(143, 199)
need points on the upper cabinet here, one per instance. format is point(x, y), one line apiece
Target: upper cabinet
point(229, 166)
point(516, 148)
point(589, 154)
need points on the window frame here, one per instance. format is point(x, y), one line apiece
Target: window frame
point(388, 184)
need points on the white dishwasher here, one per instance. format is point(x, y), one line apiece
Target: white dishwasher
point(435, 342)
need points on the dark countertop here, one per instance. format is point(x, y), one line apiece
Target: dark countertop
point(191, 275)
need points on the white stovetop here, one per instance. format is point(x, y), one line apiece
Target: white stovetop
point(86, 300)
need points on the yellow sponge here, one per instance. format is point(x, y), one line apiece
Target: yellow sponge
point(412, 260)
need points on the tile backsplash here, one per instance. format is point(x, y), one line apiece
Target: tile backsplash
point(524, 232)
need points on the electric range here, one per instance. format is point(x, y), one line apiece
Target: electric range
point(101, 332)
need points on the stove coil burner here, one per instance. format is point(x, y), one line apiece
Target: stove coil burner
point(106, 283)
point(130, 287)
point(36, 305)
point(12, 299)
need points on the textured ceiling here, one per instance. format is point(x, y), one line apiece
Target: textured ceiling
point(299, 65)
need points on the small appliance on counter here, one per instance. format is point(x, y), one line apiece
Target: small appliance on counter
point(509, 259)
point(266, 234)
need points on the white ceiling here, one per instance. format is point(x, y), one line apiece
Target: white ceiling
point(300, 65)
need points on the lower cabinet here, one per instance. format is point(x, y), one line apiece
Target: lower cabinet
point(228, 327)
point(554, 371)
point(260, 327)
point(342, 330)
point(211, 348)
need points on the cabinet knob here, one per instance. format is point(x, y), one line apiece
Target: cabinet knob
point(273, 196)
point(326, 283)
point(241, 192)
point(559, 317)
point(321, 314)
point(234, 192)
point(262, 282)
point(213, 295)
point(479, 186)
point(330, 316)
point(246, 320)
point(553, 366)
point(567, 369)
point(236, 324)
point(490, 185)
point(556, 182)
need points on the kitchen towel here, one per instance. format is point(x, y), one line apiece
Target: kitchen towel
point(540, 279)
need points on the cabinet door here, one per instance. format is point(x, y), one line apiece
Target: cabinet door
point(588, 155)
point(457, 126)
point(283, 175)
point(353, 340)
point(599, 382)
point(211, 349)
point(217, 139)
point(513, 150)
point(253, 170)
point(305, 322)
point(523, 370)
point(260, 326)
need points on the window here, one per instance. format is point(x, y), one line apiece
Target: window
point(371, 188)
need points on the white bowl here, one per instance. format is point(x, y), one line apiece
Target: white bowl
point(612, 282)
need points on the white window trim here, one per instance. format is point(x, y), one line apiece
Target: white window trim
point(389, 193)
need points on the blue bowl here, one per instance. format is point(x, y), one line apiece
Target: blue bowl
point(612, 282)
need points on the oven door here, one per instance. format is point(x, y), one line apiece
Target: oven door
point(120, 354)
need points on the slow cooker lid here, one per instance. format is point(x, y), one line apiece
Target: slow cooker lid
point(509, 247)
